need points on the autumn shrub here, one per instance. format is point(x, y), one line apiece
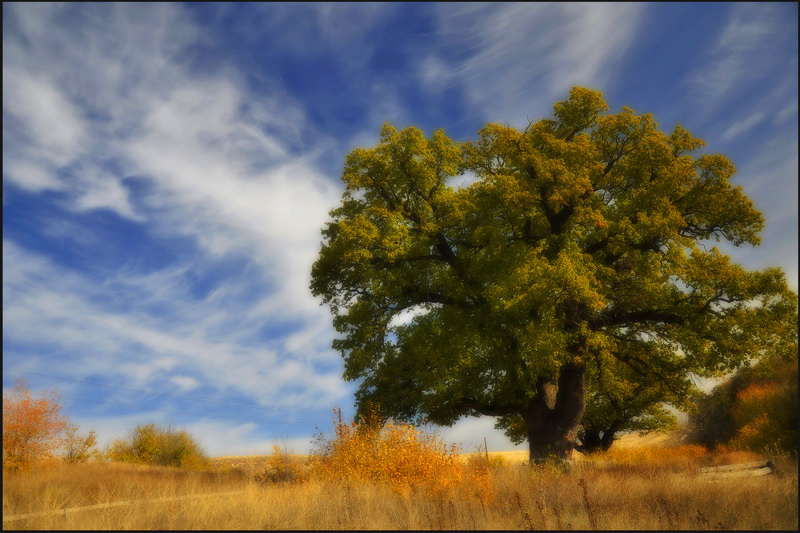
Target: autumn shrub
point(757, 414)
point(282, 467)
point(79, 448)
point(179, 448)
point(158, 445)
point(32, 428)
point(755, 409)
point(140, 446)
point(393, 454)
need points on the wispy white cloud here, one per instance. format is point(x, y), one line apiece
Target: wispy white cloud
point(46, 116)
point(512, 60)
point(786, 112)
point(31, 174)
point(109, 96)
point(46, 306)
point(326, 28)
point(742, 126)
point(185, 383)
point(234, 189)
point(206, 144)
point(61, 229)
point(745, 51)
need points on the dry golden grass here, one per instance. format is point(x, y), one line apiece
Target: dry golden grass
point(76, 485)
point(612, 492)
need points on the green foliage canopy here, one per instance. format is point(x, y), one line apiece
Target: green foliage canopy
point(582, 244)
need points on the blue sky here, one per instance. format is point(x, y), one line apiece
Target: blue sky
point(167, 169)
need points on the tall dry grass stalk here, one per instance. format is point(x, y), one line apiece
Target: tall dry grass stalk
point(667, 494)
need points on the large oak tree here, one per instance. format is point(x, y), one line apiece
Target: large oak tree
point(583, 243)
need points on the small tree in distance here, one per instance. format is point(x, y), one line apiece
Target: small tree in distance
point(32, 427)
point(79, 448)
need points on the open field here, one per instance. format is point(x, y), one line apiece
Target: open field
point(648, 489)
point(251, 464)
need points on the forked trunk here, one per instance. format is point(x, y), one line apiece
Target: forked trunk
point(553, 417)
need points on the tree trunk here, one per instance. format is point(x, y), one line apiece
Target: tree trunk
point(553, 417)
point(609, 436)
point(595, 439)
point(591, 440)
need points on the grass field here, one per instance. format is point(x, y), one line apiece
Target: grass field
point(631, 487)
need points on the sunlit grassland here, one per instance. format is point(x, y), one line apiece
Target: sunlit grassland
point(627, 488)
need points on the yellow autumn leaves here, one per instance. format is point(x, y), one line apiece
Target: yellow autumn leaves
point(398, 456)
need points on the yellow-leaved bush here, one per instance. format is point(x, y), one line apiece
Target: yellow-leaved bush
point(283, 466)
point(396, 455)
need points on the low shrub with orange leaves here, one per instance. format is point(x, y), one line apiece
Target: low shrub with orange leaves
point(32, 428)
point(758, 414)
point(396, 455)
